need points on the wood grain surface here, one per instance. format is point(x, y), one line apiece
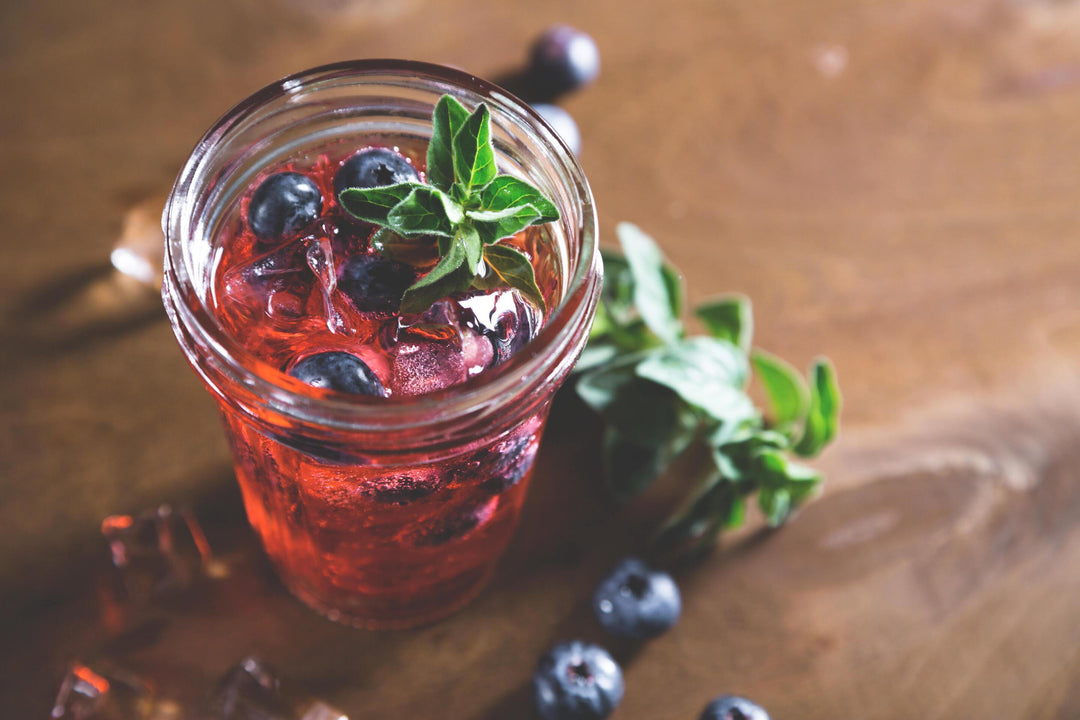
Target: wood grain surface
point(894, 183)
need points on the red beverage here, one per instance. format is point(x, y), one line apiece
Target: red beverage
point(391, 510)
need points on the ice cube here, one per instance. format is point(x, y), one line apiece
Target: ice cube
point(424, 366)
point(503, 317)
point(96, 693)
point(252, 691)
point(158, 551)
point(320, 258)
point(251, 286)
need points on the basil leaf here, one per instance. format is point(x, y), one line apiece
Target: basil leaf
point(473, 247)
point(617, 294)
point(493, 225)
point(730, 318)
point(411, 251)
point(474, 155)
point(788, 395)
point(598, 388)
point(507, 191)
point(374, 204)
point(594, 355)
point(676, 287)
point(823, 420)
point(652, 296)
point(775, 504)
point(426, 211)
point(707, 373)
point(447, 119)
point(449, 276)
point(514, 268)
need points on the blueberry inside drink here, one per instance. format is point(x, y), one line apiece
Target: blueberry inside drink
point(382, 283)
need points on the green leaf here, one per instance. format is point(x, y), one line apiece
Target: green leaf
point(449, 276)
point(736, 514)
point(598, 388)
point(776, 504)
point(474, 155)
point(474, 248)
point(707, 373)
point(676, 288)
point(374, 204)
point(730, 318)
point(411, 251)
point(823, 420)
point(652, 415)
point(514, 268)
point(617, 294)
point(507, 191)
point(788, 395)
point(447, 119)
point(493, 225)
point(652, 296)
point(594, 355)
point(426, 211)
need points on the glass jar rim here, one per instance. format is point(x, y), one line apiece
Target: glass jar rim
point(548, 356)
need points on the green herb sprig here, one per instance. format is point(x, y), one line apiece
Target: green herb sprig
point(463, 213)
point(660, 392)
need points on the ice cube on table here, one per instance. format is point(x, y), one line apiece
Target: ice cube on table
point(97, 693)
point(251, 690)
point(158, 551)
point(424, 366)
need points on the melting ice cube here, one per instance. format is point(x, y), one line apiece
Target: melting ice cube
point(424, 366)
point(96, 693)
point(158, 550)
point(252, 691)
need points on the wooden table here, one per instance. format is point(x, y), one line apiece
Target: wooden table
point(894, 183)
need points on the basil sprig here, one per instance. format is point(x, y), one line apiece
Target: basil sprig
point(661, 392)
point(465, 211)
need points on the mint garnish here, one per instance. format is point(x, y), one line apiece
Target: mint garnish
point(662, 392)
point(463, 213)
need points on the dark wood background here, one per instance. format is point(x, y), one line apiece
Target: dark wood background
point(894, 183)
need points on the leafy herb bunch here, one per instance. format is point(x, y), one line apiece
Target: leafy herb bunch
point(660, 392)
point(466, 209)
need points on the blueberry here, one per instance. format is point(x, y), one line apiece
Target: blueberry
point(282, 204)
point(374, 167)
point(730, 707)
point(576, 681)
point(562, 123)
point(636, 602)
point(563, 59)
point(339, 371)
point(374, 283)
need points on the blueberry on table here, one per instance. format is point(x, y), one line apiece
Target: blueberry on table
point(341, 371)
point(374, 283)
point(577, 681)
point(283, 204)
point(374, 167)
point(730, 707)
point(563, 59)
point(636, 602)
